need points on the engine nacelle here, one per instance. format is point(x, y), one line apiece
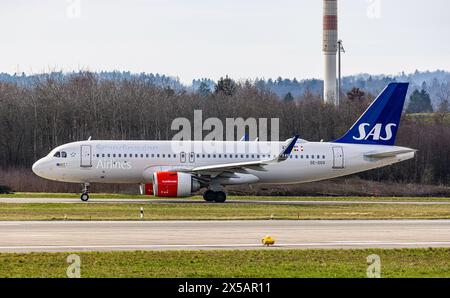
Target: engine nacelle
point(173, 184)
point(149, 189)
point(146, 189)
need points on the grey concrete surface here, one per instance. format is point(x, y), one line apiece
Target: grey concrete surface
point(189, 235)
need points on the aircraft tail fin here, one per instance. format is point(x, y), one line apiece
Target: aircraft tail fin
point(380, 123)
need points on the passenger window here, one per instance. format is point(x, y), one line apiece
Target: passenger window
point(120, 155)
point(323, 156)
point(157, 155)
point(307, 156)
point(109, 155)
point(114, 155)
point(103, 155)
point(146, 155)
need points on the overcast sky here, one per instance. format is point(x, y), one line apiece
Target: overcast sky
point(211, 38)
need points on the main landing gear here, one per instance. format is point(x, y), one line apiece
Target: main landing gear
point(85, 192)
point(215, 196)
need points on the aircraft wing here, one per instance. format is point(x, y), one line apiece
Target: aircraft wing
point(255, 165)
point(389, 153)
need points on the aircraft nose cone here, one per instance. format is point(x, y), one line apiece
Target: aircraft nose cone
point(37, 168)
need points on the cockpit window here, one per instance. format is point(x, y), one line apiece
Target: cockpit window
point(61, 154)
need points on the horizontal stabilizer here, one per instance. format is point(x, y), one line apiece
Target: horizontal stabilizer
point(389, 153)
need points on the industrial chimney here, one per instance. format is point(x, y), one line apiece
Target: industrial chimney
point(330, 48)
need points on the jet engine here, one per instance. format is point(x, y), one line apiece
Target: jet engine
point(173, 184)
point(146, 189)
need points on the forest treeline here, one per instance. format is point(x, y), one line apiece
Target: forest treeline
point(52, 111)
point(435, 83)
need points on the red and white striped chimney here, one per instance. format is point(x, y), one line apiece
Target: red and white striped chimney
point(330, 48)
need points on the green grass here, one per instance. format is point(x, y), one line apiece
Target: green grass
point(429, 116)
point(398, 263)
point(179, 211)
point(256, 198)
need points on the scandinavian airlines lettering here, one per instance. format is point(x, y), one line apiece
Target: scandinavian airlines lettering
point(375, 132)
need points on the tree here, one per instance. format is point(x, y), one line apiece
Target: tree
point(444, 106)
point(226, 86)
point(356, 94)
point(420, 102)
point(288, 97)
point(169, 91)
point(204, 90)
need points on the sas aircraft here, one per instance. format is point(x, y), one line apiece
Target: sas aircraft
point(181, 168)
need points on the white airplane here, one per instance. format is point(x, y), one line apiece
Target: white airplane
point(164, 171)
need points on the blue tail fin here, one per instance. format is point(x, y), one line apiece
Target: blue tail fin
point(379, 124)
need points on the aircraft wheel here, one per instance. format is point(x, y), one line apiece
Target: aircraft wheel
point(84, 197)
point(209, 196)
point(221, 197)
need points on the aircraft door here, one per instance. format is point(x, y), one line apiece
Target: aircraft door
point(338, 158)
point(183, 157)
point(192, 157)
point(86, 156)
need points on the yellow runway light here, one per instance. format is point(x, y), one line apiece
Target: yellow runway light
point(268, 241)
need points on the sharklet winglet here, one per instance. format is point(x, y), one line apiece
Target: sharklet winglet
point(286, 152)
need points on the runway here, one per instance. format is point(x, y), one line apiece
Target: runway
point(192, 201)
point(206, 235)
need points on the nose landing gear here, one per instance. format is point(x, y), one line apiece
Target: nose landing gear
point(85, 192)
